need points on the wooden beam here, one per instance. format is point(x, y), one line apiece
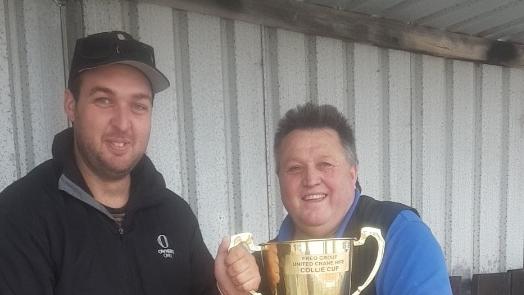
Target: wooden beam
point(329, 22)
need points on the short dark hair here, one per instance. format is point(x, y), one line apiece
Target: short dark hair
point(74, 87)
point(314, 116)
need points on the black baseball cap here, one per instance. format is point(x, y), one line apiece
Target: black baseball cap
point(116, 47)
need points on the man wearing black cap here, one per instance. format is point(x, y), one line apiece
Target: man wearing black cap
point(97, 218)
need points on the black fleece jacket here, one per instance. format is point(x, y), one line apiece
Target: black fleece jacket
point(56, 239)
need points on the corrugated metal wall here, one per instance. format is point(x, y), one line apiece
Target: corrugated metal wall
point(446, 137)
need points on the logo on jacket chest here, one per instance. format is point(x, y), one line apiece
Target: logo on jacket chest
point(164, 250)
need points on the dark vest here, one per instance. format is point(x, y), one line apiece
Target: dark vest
point(373, 213)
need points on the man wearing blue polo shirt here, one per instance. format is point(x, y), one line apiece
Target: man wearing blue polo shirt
point(317, 169)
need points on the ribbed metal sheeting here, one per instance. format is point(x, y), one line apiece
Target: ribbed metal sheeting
point(496, 20)
point(444, 136)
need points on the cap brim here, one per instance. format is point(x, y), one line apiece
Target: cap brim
point(158, 81)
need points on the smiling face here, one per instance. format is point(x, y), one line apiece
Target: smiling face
point(317, 183)
point(111, 120)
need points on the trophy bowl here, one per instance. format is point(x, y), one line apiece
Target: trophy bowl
point(311, 267)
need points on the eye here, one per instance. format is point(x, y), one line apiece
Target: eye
point(293, 169)
point(325, 165)
point(102, 101)
point(141, 107)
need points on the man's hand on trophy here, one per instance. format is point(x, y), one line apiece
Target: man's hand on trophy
point(236, 270)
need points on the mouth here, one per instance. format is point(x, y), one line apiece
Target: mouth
point(314, 197)
point(118, 145)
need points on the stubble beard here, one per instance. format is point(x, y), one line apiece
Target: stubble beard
point(100, 166)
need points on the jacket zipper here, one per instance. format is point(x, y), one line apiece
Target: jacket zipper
point(121, 231)
point(128, 275)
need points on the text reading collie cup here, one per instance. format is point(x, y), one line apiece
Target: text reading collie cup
point(311, 267)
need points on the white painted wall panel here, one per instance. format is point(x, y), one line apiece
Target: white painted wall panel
point(8, 161)
point(515, 202)
point(369, 119)
point(45, 76)
point(434, 145)
point(331, 77)
point(399, 141)
point(490, 175)
point(102, 15)
point(460, 249)
point(164, 144)
point(292, 70)
point(184, 117)
point(251, 131)
point(208, 121)
point(272, 114)
point(18, 77)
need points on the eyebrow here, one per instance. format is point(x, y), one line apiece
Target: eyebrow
point(143, 96)
point(111, 92)
point(100, 89)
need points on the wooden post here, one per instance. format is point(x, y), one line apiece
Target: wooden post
point(355, 27)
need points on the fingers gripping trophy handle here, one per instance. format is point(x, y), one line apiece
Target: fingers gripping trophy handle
point(246, 239)
point(366, 232)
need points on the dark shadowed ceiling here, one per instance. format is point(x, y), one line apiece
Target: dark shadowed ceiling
point(494, 19)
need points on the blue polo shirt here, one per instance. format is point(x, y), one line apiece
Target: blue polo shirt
point(413, 262)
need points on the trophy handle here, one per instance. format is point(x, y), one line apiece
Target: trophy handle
point(365, 232)
point(246, 239)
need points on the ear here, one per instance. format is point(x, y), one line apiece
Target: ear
point(69, 105)
point(353, 175)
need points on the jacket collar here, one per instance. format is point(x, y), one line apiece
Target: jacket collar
point(146, 181)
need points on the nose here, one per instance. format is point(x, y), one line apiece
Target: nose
point(311, 177)
point(121, 118)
